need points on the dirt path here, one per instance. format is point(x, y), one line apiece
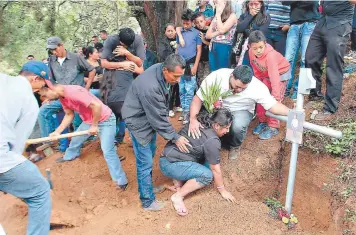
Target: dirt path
point(85, 197)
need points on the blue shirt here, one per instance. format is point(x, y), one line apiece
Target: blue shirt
point(18, 115)
point(192, 40)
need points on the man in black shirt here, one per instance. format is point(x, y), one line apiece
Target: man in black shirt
point(329, 39)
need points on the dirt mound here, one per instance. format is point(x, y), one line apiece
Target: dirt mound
point(85, 197)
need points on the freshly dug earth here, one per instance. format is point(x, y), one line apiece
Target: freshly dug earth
point(85, 199)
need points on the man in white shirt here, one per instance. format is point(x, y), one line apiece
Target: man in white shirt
point(246, 92)
point(18, 114)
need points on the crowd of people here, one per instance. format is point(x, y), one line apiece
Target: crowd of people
point(248, 48)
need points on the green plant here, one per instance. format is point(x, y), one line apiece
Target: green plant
point(350, 215)
point(342, 146)
point(213, 93)
point(347, 192)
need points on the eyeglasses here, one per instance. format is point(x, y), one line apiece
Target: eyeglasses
point(254, 4)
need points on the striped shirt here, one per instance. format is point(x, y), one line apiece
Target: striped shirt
point(280, 14)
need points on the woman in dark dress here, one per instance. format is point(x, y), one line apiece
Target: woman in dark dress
point(196, 169)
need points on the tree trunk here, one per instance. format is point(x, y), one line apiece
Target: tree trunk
point(153, 17)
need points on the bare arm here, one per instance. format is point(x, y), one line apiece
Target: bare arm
point(194, 124)
point(133, 58)
point(197, 59)
point(279, 109)
point(111, 65)
point(90, 79)
point(180, 36)
point(219, 183)
point(210, 34)
point(352, 1)
point(67, 120)
point(96, 109)
point(227, 25)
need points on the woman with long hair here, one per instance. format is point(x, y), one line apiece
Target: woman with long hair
point(196, 169)
point(221, 32)
point(167, 46)
point(92, 56)
point(254, 18)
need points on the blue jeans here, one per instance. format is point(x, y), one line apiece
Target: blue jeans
point(219, 56)
point(107, 141)
point(26, 182)
point(144, 162)
point(187, 87)
point(240, 122)
point(185, 171)
point(48, 123)
point(120, 131)
point(277, 39)
point(297, 38)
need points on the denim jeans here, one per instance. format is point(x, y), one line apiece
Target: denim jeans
point(120, 131)
point(219, 56)
point(185, 171)
point(297, 38)
point(187, 87)
point(107, 133)
point(26, 182)
point(144, 161)
point(277, 39)
point(238, 129)
point(48, 123)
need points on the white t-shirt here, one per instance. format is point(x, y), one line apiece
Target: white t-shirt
point(61, 60)
point(256, 92)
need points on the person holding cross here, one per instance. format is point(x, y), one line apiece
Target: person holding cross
point(97, 119)
point(245, 91)
point(18, 115)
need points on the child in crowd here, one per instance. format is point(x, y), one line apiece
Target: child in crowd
point(191, 52)
point(203, 68)
point(270, 67)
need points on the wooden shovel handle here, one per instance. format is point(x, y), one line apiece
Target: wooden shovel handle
point(52, 138)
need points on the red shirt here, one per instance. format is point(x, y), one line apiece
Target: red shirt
point(78, 99)
point(270, 65)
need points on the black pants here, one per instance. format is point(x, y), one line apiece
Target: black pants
point(277, 39)
point(116, 109)
point(332, 44)
point(174, 100)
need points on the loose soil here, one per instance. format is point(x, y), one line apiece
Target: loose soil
point(88, 203)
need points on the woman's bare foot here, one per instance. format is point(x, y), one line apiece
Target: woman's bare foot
point(178, 205)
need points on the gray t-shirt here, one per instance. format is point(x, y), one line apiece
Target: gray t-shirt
point(206, 148)
point(71, 72)
point(123, 79)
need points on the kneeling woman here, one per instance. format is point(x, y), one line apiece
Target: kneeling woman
point(190, 171)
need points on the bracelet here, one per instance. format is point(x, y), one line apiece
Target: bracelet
point(220, 187)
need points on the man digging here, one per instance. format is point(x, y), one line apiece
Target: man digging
point(97, 119)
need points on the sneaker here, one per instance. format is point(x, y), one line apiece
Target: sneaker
point(294, 96)
point(159, 189)
point(171, 113)
point(318, 96)
point(179, 109)
point(156, 205)
point(180, 118)
point(268, 133)
point(123, 187)
point(234, 153)
point(60, 160)
point(323, 116)
point(259, 128)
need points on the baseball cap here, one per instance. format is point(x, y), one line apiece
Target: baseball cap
point(53, 42)
point(37, 67)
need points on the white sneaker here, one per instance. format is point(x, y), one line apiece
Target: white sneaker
point(179, 109)
point(180, 118)
point(171, 113)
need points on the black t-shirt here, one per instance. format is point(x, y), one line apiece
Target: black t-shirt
point(205, 48)
point(337, 13)
point(207, 147)
point(122, 79)
point(99, 71)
